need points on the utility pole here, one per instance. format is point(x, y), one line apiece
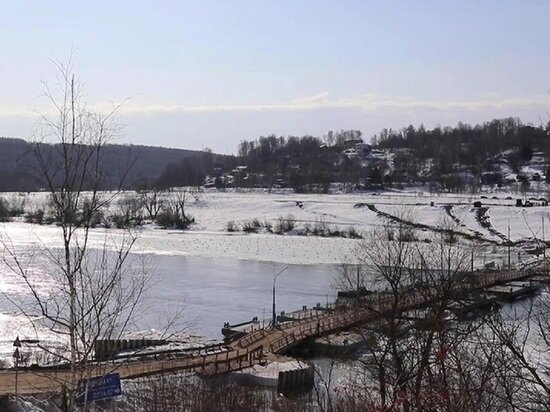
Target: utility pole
point(275, 276)
point(449, 262)
point(543, 241)
point(16, 357)
point(509, 246)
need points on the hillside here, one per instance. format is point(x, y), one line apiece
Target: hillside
point(133, 165)
point(464, 157)
point(497, 153)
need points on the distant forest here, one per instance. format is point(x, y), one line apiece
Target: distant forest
point(464, 147)
point(126, 166)
point(445, 156)
point(299, 162)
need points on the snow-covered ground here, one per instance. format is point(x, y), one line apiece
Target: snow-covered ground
point(209, 237)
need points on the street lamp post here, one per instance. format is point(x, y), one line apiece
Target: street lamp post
point(16, 356)
point(274, 321)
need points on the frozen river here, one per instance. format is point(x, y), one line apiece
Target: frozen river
point(204, 292)
point(217, 290)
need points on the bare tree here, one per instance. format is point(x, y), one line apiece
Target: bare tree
point(421, 359)
point(130, 208)
point(174, 213)
point(153, 201)
point(95, 295)
point(523, 335)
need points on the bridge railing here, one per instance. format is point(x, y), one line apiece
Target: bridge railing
point(378, 304)
point(226, 362)
point(216, 358)
point(258, 334)
point(335, 321)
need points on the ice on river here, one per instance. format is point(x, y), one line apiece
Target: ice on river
point(220, 277)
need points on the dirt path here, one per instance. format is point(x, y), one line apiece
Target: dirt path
point(483, 218)
point(449, 211)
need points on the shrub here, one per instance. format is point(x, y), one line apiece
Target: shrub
point(285, 224)
point(319, 229)
point(333, 232)
point(352, 233)
point(268, 226)
point(406, 235)
point(36, 217)
point(250, 227)
point(131, 207)
point(15, 210)
point(231, 226)
point(450, 237)
point(121, 221)
point(4, 211)
point(87, 214)
point(170, 220)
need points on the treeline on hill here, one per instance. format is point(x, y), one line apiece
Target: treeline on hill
point(448, 157)
point(192, 170)
point(300, 162)
point(297, 162)
point(126, 166)
point(464, 148)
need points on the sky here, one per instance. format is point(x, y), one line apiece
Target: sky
point(197, 74)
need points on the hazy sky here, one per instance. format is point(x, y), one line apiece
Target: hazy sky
point(210, 73)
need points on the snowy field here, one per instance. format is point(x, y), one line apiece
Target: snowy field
point(219, 276)
point(209, 237)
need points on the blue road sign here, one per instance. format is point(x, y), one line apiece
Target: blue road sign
point(99, 387)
